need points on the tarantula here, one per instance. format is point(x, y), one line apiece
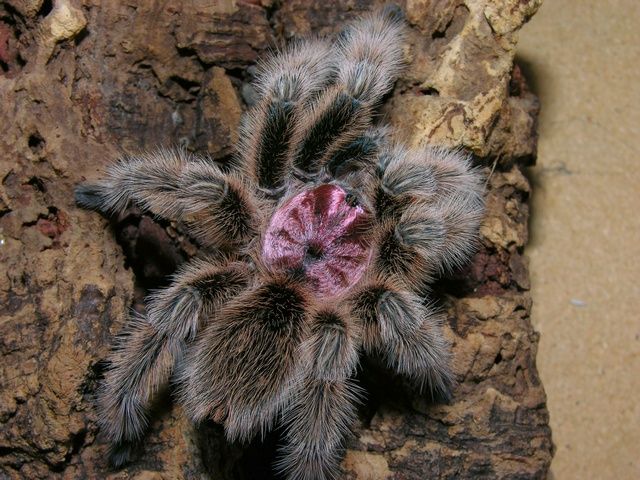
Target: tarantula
point(323, 237)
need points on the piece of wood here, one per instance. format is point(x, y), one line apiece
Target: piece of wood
point(86, 79)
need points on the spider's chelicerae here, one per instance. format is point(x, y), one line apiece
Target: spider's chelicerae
point(323, 237)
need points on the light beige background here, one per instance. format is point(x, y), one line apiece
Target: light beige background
point(583, 57)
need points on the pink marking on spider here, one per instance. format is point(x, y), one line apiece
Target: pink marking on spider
point(322, 233)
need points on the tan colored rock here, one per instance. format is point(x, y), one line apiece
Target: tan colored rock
point(228, 33)
point(504, 224)
point(65, 21)
point(366, 466)
point(456, 92)
point(507, 17)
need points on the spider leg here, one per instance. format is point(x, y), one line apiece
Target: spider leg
point(371, 56)
point(217, 207)
point(287, 83)
point(149, 179)
point(411, 247)
point(368, 63)
point(322, 410)
point(358, 158)
point(241, 368)
point(460, 202)
point(408, 333)
point(429, 206)
point(145, 356)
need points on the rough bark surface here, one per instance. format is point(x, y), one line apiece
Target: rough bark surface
point(82, 80)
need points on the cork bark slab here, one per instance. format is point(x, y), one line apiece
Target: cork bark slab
point(82, 80)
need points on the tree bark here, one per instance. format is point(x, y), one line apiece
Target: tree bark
point(84, 80)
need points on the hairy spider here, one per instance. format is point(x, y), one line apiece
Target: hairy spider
point(323, 237)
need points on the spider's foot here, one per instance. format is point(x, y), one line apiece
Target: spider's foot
point(443, 393)
point(394, 12)
point(122, 453)
point(89, 196)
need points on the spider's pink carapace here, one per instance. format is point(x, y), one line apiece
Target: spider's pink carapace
point(321, 232)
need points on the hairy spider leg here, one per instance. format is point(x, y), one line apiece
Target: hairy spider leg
point(428, 204)
point(369, 61)
point(287, 83)
point(146, 354)
point(358, 158)
point(407, 332)
point(323, 404)
point(242, 367)
point(151, 180)
point(217, 207)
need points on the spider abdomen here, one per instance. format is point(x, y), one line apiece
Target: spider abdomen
point(321, 232)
